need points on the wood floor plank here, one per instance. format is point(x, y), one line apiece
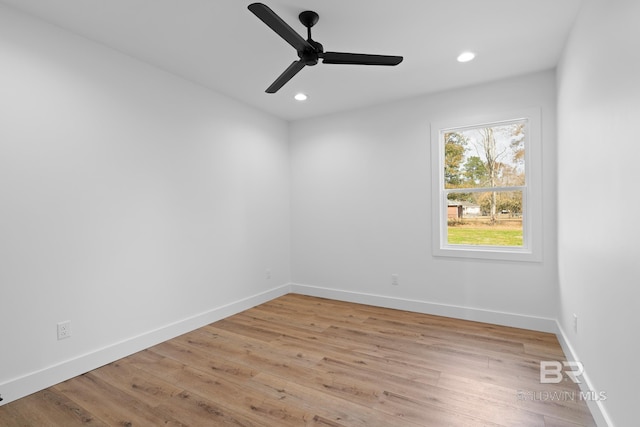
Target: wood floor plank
point(47, 408)
point(325, 352)
point(141, 385)
point(476, 338)
point(554, 422)
point(326, 407)
point(110, 404)
point(306, 361)
point(195, 410)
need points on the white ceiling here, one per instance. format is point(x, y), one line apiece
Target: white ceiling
point(221, 45)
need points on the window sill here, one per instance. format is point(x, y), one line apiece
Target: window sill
point(488, 253)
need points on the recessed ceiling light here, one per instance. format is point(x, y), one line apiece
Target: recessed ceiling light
point(466, 56)
point(300, 97)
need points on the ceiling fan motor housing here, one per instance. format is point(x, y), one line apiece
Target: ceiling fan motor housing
point(309, 57)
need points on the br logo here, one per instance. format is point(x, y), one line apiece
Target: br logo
point(551, 371)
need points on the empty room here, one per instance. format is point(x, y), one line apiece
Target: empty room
point(323, 213)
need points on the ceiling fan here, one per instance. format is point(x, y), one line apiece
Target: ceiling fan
point(310, 51)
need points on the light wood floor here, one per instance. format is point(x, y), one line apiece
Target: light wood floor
point(300, 360)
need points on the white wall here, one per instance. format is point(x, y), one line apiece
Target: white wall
point(130, 201)
point(599, 148)
point(361, 209)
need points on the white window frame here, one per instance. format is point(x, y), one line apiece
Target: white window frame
point(531, 192)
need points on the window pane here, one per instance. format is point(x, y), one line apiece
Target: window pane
point(485, 156)
point(491, 218)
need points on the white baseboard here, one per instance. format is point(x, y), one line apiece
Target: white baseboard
point(495, 317)
point(596, 407)
point(35, 381)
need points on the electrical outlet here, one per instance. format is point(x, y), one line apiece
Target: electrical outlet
point(575, 323)
point(394, 280)
point(267, 273)
point(64, 329)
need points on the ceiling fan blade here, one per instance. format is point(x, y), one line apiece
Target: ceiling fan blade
point(359, 59)
point(273, 21)
point(291, 71)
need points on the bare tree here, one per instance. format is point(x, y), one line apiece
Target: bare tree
point(491, 155)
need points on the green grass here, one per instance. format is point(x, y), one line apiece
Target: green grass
point(486, 236)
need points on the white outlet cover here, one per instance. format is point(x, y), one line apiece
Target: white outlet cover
point(64, 330)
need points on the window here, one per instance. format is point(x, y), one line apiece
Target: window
point(486, 187)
